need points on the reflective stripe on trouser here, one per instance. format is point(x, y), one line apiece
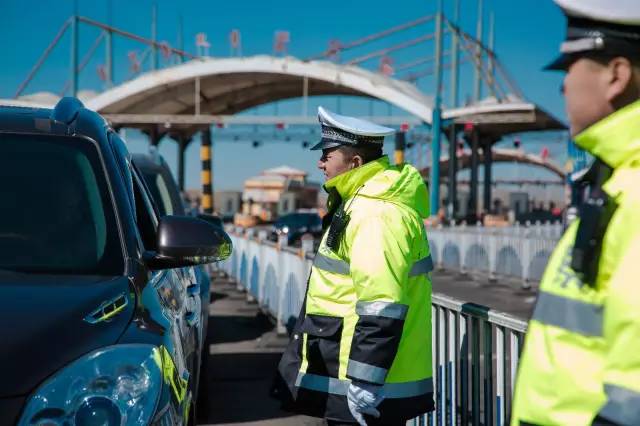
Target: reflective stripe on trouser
point(571, 314)
point(337, 266)
point(622, 407)
point(339, 387)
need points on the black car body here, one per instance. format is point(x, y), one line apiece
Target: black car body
point(166, 195)
point(100, 303)
point(294, 225)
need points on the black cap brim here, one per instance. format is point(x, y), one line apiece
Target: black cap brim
point(326, 144)
point(561, 63)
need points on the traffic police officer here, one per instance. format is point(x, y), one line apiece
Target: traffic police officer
point(581, 360)
point(361, 349)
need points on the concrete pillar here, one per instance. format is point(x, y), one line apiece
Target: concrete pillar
point(154, 136)
point(207, 173)
point(488, 163)
point(183, 142)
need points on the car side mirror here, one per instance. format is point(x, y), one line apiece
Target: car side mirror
point(187, 241)
point(214, 220)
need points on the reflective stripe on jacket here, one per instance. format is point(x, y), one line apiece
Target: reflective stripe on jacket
point(368, 305)
point(581, 360)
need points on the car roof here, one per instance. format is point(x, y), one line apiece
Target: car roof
point(149, 162)
point(68, 117)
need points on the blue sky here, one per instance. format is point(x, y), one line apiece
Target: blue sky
point(527, 35)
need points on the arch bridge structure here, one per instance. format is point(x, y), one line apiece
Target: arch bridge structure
point(184, 99)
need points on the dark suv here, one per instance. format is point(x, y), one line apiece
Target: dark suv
point(100, 305)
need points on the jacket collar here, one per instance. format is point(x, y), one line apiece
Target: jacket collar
point(346, 184)
point(615, 139)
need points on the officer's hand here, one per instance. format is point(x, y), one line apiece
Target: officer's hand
point(363, 398)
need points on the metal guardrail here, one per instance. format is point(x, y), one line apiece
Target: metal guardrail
point(475, 349)
point(517, 251)
point(475, 359)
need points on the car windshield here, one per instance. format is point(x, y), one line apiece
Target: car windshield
point(297, 220)
point(56, 215)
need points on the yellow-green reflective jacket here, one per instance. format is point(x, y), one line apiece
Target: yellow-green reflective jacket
point(581, 360)
point(367, 313)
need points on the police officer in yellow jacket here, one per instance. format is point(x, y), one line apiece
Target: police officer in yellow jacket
point(361, 350)
point(581, 360)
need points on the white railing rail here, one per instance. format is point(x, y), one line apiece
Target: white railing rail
point(475, 349)
point(520, 252)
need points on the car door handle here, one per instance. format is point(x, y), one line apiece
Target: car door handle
point(191, 318)
point(193, 289)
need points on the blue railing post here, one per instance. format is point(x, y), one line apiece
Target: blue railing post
point(436, 118)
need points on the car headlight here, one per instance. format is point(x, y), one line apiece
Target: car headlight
point(285, 229)
point(112, 386)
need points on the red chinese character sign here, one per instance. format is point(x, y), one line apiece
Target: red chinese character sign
point(234, 38)
point(544, 153)
point(165, 49)
point(386, 66)
point(134, 62)
point(202, 44)
point(235, 43)
point(102, 72)
point(281, 42)
point(333, 52)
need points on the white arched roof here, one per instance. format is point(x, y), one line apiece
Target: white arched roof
point(231, 85)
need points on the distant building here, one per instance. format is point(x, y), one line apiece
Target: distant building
point(277, 192)
point(227, 203)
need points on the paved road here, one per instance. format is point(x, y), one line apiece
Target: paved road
point(244, 353)
point(245, 349)
point(505, 295)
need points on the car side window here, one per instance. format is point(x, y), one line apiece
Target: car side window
point(123, 159)
point(146, 215)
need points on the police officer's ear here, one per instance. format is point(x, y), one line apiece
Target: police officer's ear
point(356, 161)
point(622, 87)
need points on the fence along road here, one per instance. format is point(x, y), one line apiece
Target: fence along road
point(475, 348)
point(519, 252)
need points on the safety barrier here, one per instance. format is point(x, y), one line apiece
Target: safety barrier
point(475, 350)
point(475, 358)
point(520, 252)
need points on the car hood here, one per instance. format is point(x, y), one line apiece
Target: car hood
point(46, 323)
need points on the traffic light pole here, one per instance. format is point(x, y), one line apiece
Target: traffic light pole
point(453, 172)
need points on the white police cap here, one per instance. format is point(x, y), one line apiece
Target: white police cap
point(340, 130)
point(599, 26)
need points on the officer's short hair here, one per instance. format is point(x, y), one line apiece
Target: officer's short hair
point(604, 58)
point(368, 151)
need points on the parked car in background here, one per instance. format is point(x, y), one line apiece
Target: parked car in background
point(294, 225)
point(98, 297)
